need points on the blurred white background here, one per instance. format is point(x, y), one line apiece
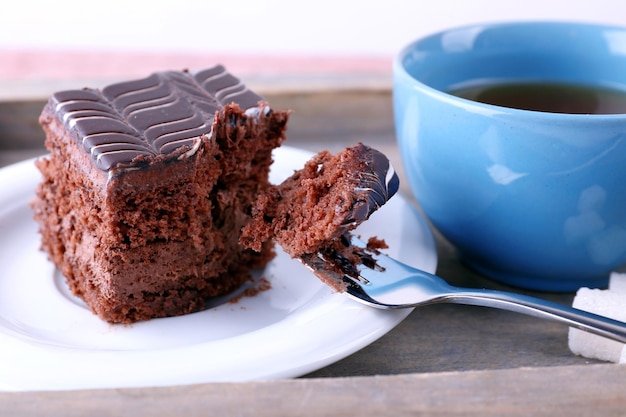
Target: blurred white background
point(272, 44)
point(321, 27)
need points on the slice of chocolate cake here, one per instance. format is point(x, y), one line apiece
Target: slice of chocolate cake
point(147, 186)
point(311, 210)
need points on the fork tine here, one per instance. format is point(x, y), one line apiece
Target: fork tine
point(340, 264)
point(355, 291)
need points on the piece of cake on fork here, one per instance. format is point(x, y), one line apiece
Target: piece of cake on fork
point(310, 211)
point(147, 186)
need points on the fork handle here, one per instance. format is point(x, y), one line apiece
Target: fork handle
point(536, 307)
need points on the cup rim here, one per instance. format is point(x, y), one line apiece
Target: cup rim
point(399, 69)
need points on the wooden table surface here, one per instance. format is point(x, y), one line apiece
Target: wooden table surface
point(446, 359)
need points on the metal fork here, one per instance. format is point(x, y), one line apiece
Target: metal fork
point(372, 278)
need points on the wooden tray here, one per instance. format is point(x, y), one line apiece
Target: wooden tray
point(446, 359)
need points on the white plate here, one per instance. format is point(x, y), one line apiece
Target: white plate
point(50, 341)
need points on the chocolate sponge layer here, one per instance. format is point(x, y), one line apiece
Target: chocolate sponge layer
point(154, 233)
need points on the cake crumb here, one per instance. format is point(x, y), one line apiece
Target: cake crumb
point(375, 243)
point(262, 285)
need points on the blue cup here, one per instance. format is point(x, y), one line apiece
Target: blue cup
point(533, 199)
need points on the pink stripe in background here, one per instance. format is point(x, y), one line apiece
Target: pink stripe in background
point(51, 65)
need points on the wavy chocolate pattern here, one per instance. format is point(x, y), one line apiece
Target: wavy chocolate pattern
point(163, 114)
point(376, 182)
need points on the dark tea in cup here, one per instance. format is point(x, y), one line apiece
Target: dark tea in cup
point(548, 97)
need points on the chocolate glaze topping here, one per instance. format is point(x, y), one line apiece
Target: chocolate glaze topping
point(377, 182)
point(163, 114)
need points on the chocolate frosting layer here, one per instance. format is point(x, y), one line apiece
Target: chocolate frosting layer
point(163, 114)
point(377, 182)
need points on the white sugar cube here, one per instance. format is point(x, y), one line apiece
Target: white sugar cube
point(617, 282)
point(609, 303)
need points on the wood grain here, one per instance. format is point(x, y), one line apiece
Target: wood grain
point(562, 391)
